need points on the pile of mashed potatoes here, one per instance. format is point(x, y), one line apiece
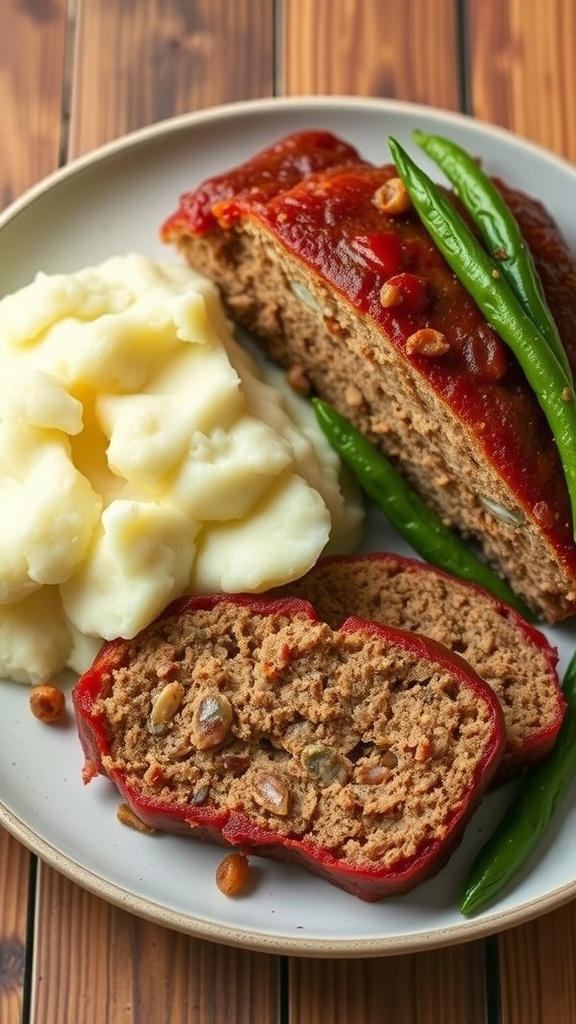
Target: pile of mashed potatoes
point(143, 456)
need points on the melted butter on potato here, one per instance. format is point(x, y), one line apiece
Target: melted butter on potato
point(143, 456)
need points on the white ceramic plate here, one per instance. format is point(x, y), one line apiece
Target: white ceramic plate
point(112, 202)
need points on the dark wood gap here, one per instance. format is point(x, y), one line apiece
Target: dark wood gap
point(492, 980)
point(66, 100)
point(29, 975)
point(463, 49)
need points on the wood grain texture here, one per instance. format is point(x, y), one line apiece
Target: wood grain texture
point(442, 987)
point(14, 876)
point(31, 81)
point(523, 76)
point(538, 978)
point(371, 48)
point(137, 63)
point(32, 47)
point(123, 970)
point(523, 68)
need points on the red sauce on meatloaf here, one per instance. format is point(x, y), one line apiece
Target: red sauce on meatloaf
point(319, 200)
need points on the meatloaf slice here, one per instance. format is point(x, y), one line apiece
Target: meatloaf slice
point(358, 752)
point(515, 659)
point(341, 284)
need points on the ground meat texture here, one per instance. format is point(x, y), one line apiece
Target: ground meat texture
point(514, 659)
point(368, 744)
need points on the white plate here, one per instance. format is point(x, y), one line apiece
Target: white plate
point(114, 201)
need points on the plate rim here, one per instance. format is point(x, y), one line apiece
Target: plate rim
point(241, 108)
point(466, 930)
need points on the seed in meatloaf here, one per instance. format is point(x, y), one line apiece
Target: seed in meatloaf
point(367, 745)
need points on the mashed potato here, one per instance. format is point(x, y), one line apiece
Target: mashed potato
point(142, 456)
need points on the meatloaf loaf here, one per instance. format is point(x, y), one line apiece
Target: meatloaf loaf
point(515, 659)
point(319, 255)
point(358, 752)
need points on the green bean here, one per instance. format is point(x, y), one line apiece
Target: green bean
point(529, 815)
point(405, 510)
point(480, 275)
point(500, 231)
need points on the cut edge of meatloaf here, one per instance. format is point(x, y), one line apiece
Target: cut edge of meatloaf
point(359, 752)
point(384, 397)
point(515, 659)
point(307, 325)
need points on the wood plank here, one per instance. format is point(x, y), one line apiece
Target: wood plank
point(523, 76)
point(538, 980)
point(523, 69)
point(374, 48)
point(14, 876)
point(124, 970)
point(444, 985)
point(137, 63)
point(31, 78)
point(32, 47)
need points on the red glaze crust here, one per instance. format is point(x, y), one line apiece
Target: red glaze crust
point(323, 211)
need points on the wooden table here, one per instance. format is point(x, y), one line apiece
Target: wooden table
point(73, 76)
